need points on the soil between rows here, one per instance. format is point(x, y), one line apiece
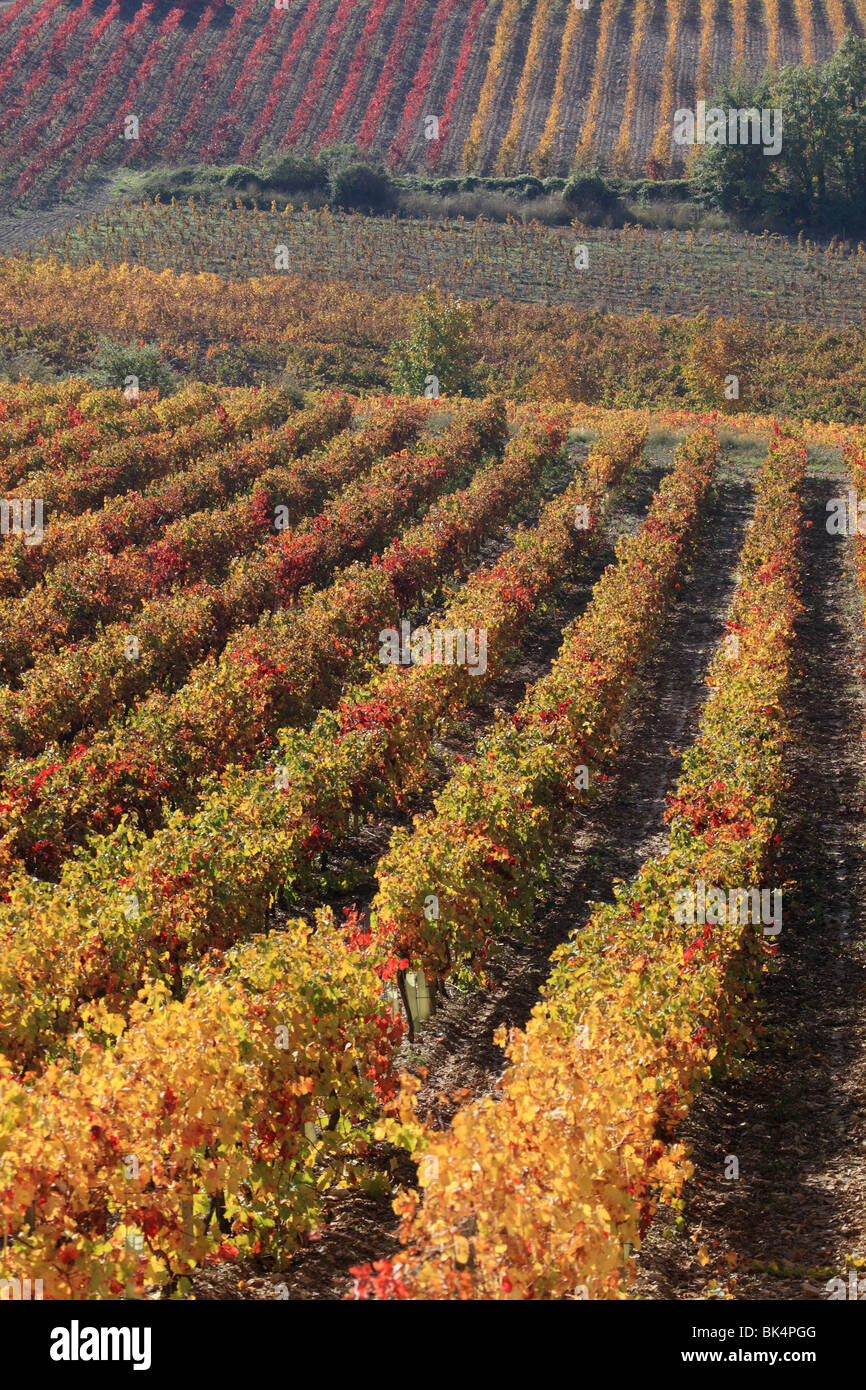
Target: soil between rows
point(796, 1120)
point(27, 228)
point(622, 827)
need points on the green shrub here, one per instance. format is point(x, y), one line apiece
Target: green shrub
point(360, 186)
point(241, 176)
point(119, 365)
point(584, 190)
point(532, 188)
point(297, 173)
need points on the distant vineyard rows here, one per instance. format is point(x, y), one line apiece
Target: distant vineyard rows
point(486, 86)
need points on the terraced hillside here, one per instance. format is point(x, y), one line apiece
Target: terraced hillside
point(514, 85)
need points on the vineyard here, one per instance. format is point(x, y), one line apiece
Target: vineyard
point(663, 273)
point(248, 331)
point(307, 708)
point(432, 661)
point(485, 86)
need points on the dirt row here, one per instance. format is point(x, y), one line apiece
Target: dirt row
point(542, 87)
point(25, 229)
point(510, 74)
point(615, 84)
point(794, 1219)
point(649, 88)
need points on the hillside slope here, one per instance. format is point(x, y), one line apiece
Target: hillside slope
point(516, 85)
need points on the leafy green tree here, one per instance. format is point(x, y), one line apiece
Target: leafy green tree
point(846, 73)
point(116, 364)
point(436, 357)
point(809, 138)
point(737, 178)
point(819, 175)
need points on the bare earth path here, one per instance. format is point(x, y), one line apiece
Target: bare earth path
point(26, 228)
point(796, 1121)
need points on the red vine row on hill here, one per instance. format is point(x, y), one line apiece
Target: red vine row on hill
point(152, 125)
point(12, 14)
point(418, 90)
point(434, 153)
point(354, 75)
point(373, 116)
point(39, 77)
point(29, 32)
point(312, 92)
point(79, 123)
point(205, 87)
point(24, 142)
point(114, 128)
point(254, 137)
point(248, 74)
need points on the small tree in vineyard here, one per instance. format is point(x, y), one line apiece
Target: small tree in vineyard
point(436, 358)
point(117, 364)
point(720, 362)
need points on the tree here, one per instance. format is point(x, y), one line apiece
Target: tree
point(819, 175)
point(738, 178)
point(140, 366)
point(436, 357)
point(809, 139)
point(846, 72)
